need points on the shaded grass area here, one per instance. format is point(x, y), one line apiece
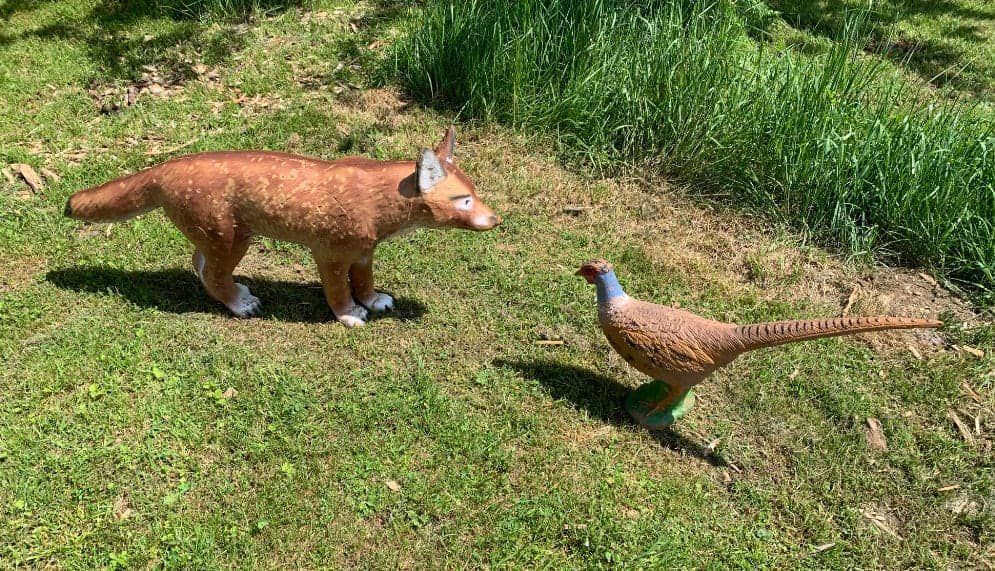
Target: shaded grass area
point(949, 43)
point(228, 9)
point(141, 426)
point(182, 9)
point(117, 37)
point(830, 141)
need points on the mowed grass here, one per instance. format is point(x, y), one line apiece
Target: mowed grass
point(141, 425)
point(832, 141)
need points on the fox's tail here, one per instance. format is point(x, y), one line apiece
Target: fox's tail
point(116, 200)
point(780, 332)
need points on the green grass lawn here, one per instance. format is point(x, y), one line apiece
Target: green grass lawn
point(142, 426)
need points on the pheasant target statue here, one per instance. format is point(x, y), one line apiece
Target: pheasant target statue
point(679, 349)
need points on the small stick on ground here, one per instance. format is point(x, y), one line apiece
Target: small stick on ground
point(965, 432)
point(849, 301)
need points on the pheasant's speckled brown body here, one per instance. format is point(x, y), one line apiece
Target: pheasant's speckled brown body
point(681, 349)
point(666, 343)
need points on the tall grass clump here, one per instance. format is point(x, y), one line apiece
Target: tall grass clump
point(830, 141)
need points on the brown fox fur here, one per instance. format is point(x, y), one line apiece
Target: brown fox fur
point(340, 210)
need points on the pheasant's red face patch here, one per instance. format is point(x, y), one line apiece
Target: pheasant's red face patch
point(592, 269)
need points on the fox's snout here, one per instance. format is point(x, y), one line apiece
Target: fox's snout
point(486, 221)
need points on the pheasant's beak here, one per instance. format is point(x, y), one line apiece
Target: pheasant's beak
point(587, 276)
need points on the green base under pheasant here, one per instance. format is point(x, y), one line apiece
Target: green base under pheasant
point(643, 405)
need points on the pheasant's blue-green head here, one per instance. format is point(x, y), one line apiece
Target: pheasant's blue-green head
point(601, 274)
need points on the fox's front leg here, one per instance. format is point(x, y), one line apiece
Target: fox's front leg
point(334, 274)
point(361, 280)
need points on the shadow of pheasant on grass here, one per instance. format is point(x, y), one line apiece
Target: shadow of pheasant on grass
point(603, 398)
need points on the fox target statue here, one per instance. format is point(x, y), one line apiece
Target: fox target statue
point(340, 210)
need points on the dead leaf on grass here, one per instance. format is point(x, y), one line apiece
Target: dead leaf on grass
point(965, 432)
point(9, 175)
point(30, 176)
point(230, 393)
point(75, 157)
point(823, 547)
point(849, 301)
point(121, 509)
point(880, 521)
point(50, 175)
point(970, 392)
point(977, 353)
point(393, 486)
point(876, 439)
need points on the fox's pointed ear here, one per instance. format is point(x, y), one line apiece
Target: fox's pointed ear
point(447, 146)
point(430, 170)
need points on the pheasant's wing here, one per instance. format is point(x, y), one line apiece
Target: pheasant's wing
point(670, 341)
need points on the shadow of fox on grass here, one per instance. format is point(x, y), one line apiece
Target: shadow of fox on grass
point(178, 291)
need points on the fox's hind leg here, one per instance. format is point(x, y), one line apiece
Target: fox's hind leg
point(220, 244)
point(214, 267)
point(361, 281)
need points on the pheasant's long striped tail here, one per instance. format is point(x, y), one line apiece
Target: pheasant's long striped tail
point(779, 332)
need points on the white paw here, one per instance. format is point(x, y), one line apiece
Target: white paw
point(379, 302)
point(354, 317)
point(245, 304)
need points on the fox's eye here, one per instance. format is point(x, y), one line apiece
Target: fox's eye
point(464, 203)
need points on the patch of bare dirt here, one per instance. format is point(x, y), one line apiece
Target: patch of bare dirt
point(257, 103)
point(15, 274)
point(115, 97)
point(384, 106)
